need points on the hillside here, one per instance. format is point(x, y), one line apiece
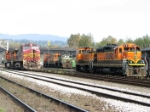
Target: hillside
point(37, 37)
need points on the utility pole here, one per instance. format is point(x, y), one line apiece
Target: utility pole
point(48, 44)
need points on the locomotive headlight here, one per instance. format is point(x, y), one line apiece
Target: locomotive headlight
point(141, 62)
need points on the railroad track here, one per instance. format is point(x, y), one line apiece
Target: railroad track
point(117, 79)
point(20, 103)
point(143, 82)
point(57, 101)
point(98, 90)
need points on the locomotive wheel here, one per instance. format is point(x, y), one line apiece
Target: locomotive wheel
point(78, 68)
point(44, 65)
point(86, 69)
point(124, 73)
point(93, 71)
point(54, 65)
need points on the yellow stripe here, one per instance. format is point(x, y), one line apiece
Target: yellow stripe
point(31, 55)
point(137, 64)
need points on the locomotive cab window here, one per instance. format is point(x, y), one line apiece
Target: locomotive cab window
point(89, 51)
point(83, 51)
point(26, 47)
point(126, 49)
point(35, 47)
point(120, 50)
point(137, 48)
point(79, 51)
point(129, 49)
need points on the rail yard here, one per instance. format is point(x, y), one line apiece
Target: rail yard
point(85, 82)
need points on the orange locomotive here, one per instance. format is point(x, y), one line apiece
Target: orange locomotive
point(52, 60)
point(112, 59)
point(59, 61)
point(45, 60)
point(26, 57)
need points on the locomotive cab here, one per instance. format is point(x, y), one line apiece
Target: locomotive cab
point(84, 58)
point(132, 63)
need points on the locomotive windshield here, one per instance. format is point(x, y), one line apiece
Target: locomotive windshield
point(30, 47)
point(35, 47)
point(26, 47)
point(86, 51)
point(131, 49)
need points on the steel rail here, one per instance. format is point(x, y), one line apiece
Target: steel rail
point(90, 85)
point(70, 106)
point(26, 107)
point(96, 92)
point(122, 80)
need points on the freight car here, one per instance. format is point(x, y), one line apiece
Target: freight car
point(27, 56)
point(112, 59)
point(57, 60)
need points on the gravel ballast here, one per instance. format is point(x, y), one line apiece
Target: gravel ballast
point(94, 103)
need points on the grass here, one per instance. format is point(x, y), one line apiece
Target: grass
point(7, 105)
point(2, 110)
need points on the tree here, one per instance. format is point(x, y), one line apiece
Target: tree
point(129, 40)
point(120, 41)
point(107, 40)
point(143, 41)
point(86, 41)
point(73, 40)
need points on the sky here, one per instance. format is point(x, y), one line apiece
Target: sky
point(119, 18)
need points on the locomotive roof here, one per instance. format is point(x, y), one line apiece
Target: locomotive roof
point(126, 44)
point(29, 44)
point(111, 46)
